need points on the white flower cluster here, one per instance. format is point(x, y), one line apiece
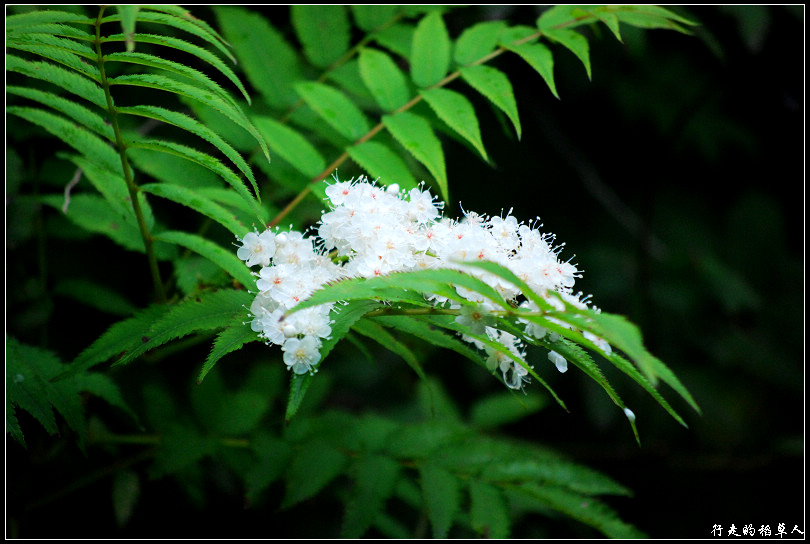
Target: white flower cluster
point(372, 230)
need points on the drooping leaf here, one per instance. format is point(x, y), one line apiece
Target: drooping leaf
point(79, 138)
point(441, 491)
point(343, 317)
point(236, 334)
point(489, 512)
point(94, 214)
point(192, 49)
point(383, 78)
point(478, 41)
point(113, 187)
point(394, 287)
point(197, 202)
point(163, 83)
point(192, 125)
point(503, 408)
point(207, 311)
point(227, 260)
point(191, 75)
point(585, 509)
point(540, 58)
point(291, 146)
point(62, 50)
point(375, 477)
point(651, 17)
point(203, 159)
point(186, 23)
point(371, 17)
point(30, 385)
point(85, 116)
point(494, 85)
point(116, 341)
point(334, 108)
point(316, 463)
point(129, 15)
point(415, 135)
point(323, 30)
point(454, 109)
point(270, 63)
point(372, 330)
point(397, 38)
point(22, 22)
point(576, 43)
point(181, 446)
point(430, 53)
point(380, 162)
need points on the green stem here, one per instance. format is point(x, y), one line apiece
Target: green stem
point(160, 294)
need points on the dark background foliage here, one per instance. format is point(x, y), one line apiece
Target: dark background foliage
point(675, 176)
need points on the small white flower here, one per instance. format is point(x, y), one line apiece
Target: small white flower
point(300, 355)
point(630, 415)
point(257, 248)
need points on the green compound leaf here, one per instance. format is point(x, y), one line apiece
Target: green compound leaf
point(540, 58)
point(323, 30)
point(30, 385)
point(380, 162)
point(270, 63)
point(334, 108)
point(375, 478)
point(220, 256)
point(441, 491)
point(206, 311)
point(454, 109)
point(415, 135)
point(582, 508)
point(575, 42)
point(82, 140)
point(236, 334)
point(181, 446)
point(494, 85)
point(430, 51)
point(196, 201)
point(203, 159)
point(82, 115)
point(314, 465)
point(291, 146)
point(478, 41)
point(383, 78)
point(489, 512)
